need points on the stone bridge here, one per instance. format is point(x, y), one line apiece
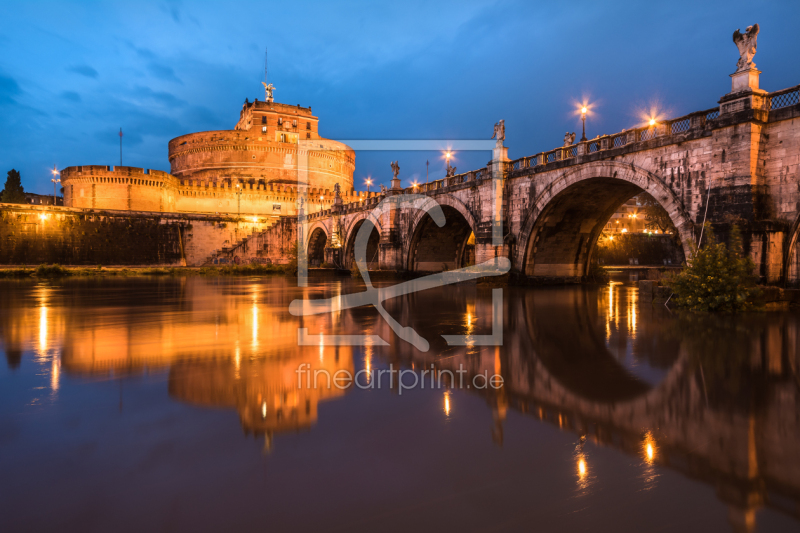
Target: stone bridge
point(733, 164)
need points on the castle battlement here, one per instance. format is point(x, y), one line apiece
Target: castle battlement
point(252, 169)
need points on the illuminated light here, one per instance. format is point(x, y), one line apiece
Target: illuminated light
point(237, 361)
point(583, 110)
point(447, 403)
point(617, 221)
point(649, 448)
point(43, 329)
point(43, 216)
point(610, 237)
point(264, 410)
point(624, 230)
point(652, 122)
point(255, 219)
point(321, 197)
point(55, 374)
point(582, 468)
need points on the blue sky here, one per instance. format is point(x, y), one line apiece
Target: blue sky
point(73, 73)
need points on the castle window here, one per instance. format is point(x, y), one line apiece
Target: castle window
point(283, 137)
point(294, 123)
point(280, 121)
point(263, 129)
point(263, 119)
point(308, 135)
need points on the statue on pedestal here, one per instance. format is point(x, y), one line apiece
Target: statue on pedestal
point(451, 170)
point(337, 191)
point(569, 139)
point(500, 132)
point(395, 169)
point(747, 47)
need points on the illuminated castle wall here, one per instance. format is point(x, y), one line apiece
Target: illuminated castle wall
point(253, 169)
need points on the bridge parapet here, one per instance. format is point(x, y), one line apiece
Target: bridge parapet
point(663, 132)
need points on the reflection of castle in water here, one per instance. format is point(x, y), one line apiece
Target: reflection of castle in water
point(228, 345)
point(265, 392)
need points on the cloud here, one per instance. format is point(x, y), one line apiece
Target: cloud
point(83, 70)
point(163, 72)
point(72, 96)
point(162, 97)
point(8, 89)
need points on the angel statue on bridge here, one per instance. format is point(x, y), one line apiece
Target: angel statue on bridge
point(569, 138)
point(500, 132)
point(747, 47)
point(395, 169)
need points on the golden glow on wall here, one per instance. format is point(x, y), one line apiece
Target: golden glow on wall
point(447, 403)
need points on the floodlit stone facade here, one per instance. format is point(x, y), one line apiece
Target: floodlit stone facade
point(251, 170)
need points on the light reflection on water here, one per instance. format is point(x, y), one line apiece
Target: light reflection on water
point(632, 391)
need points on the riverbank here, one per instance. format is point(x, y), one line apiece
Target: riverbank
point(58, 271)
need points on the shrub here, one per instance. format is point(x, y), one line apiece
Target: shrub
point(51, 271)
point(718, 277)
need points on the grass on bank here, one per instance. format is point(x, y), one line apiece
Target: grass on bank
point(58, 271)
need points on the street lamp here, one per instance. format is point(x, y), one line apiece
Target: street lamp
point(55, 180)
point(583, 119)
point(321, 198)
point(368, 181)
point(652, 122)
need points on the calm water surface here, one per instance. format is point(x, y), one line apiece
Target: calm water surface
point(174, 404)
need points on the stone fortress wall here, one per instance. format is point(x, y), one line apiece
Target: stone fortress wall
point(252, 170)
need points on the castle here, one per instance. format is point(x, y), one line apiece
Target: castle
point(253, 169)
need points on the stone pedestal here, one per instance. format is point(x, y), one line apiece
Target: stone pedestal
point(745, 94)
point(744, 80)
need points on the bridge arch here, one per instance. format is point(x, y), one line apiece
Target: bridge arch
point(560, 229)
point(318, 237)
point(352, 228)
point(429, 248)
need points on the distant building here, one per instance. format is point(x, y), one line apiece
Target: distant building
point(42, 199)
point(628, 218)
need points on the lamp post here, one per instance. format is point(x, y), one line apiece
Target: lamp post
point(321, 198)
point(55, 180)
point(583, 119)
point(368, 181)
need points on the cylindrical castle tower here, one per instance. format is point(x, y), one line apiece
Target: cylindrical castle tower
point(272, 142)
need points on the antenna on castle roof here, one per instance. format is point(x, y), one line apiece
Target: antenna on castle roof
point(267, 88)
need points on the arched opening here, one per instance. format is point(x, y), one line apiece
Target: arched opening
point(372, 251)
point(563, 239)
point(435, 249)
point(316, 247)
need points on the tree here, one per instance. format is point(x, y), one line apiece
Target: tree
point(13, 192)
point(655, 216)
point(718, 278)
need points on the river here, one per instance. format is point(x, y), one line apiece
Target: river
point(187, 404)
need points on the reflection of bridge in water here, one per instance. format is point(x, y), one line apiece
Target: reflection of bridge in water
point(725, 410)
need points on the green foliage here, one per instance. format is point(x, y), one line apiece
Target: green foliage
point(655, 216)
point(718, 277)
point(13, 192)
point(51, 271)
point(294, 253)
